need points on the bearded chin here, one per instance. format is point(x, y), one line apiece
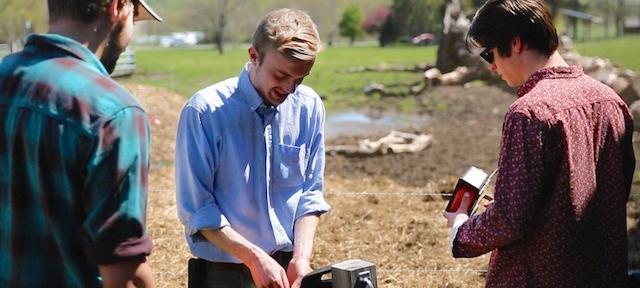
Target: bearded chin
point(112, 51)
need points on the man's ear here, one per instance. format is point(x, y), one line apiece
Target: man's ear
point(116, 9)
point(114, 5)
point(516, 45)
point(254, 56)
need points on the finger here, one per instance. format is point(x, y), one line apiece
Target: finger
point(488, 203)
point(296, 283)
point(465, 203)
point(449, 217)
point(290, 273)
point(285, 279)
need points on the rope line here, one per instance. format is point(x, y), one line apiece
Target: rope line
point(354, 194)
point(387, 271)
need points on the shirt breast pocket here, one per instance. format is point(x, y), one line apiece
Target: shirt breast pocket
point(289, 165)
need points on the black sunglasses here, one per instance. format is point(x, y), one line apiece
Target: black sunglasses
point(487, 55)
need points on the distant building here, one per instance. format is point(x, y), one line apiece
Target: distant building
point(181, 39)
point(631, 24)
point(572, 17)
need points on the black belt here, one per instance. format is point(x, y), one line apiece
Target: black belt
point(199, 268)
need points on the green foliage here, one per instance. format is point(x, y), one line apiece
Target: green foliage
point(389, 32)
point(185, 71)
point(242, 16)
point(15, 14)
point(350, 23)
point(413, 17)
point(423, 16)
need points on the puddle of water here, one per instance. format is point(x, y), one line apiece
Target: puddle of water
point(364, 123)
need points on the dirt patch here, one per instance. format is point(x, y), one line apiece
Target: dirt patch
point(386, 209)
point(169, 257)
point(466, 132)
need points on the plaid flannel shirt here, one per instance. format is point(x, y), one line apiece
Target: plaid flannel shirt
point(74, 158)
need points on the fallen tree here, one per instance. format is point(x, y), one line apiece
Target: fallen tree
point(394, 142)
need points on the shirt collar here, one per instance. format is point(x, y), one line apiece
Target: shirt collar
point(68, 45)
point(248, 91)
point(549, 73)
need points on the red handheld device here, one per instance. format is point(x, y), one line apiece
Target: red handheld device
point(473, 182)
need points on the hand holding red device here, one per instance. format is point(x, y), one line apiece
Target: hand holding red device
point(473, 182)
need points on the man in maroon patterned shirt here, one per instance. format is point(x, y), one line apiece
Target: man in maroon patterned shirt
point(565, 166)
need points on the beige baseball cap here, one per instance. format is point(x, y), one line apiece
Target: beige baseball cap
point(146, 13)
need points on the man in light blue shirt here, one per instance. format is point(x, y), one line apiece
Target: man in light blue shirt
point(250, 164)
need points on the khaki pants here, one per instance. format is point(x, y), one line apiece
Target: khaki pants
point(205, 274)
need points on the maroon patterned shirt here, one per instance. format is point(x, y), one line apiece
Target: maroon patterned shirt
point(565, 169)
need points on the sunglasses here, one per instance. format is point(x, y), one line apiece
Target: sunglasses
point(487, 55)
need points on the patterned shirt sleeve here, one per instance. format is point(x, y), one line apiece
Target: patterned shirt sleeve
point(518, 190)
point(115, 194)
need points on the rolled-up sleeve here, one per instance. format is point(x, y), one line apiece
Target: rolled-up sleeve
point(195, 163)
point(312, 197)
point(115, 193)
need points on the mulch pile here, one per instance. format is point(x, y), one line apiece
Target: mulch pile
point(386, 209)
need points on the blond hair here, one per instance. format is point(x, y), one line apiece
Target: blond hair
point(291, 32)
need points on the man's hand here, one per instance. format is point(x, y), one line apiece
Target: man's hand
point(461, 213)
point(130, 273)
point(267, 273)
point(296, 270)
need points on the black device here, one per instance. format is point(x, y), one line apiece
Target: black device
point(347, 274)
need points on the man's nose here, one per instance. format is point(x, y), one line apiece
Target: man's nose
point(291, 85)
point(493, 67)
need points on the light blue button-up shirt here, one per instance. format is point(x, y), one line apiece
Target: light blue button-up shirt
point(255, 168)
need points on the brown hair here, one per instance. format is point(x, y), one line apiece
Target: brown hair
point(291, 32)
point(498, 22)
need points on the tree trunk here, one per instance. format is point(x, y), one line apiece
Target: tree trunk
point(607, 18)
point(574, 21)
point(220, 34)
point(620, 18)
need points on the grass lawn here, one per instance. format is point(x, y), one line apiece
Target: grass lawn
point(186, 71)
point(622, 51)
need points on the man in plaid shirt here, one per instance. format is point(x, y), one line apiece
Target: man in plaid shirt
point(74, 154)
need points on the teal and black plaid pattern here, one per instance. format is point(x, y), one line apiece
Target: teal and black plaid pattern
point(74, 158)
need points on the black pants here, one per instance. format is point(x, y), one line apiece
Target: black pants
point(205, 274)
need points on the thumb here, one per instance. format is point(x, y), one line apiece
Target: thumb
point(465, 203)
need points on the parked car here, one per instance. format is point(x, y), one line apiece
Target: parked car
point(422, 39)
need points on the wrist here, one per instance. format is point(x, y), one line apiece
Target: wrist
point(301, 259)
point(253, 256)
point(301, 256)
point(459, 220)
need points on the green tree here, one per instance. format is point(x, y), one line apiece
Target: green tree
point(388, 32)
point(414, 17)
point(20, 18)
point(215, 16)
point(350, 23)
